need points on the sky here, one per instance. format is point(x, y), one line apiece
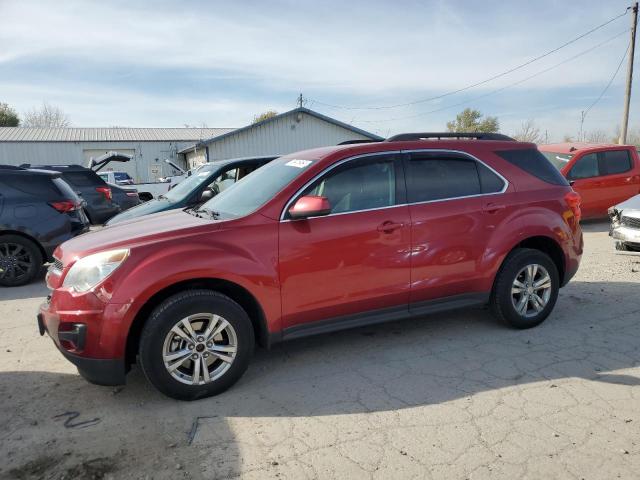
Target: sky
point(156, 63)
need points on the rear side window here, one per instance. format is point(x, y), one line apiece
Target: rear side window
point(533, 162)
point(430, 178)
point(82, 179)
point(489, 181)
point(40, 186)
point(615, 161)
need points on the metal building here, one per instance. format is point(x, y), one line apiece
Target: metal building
point(148, 146)
point(298, 129)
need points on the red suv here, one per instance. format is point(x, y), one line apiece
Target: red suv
point(316, 241)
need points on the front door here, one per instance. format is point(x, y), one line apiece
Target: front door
point(356, 259)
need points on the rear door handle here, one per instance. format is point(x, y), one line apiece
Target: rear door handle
point(389, 226)
point(493, 207)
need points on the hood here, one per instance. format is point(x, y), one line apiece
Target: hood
point(632, 204)
point(147, 208)
point(149, 229)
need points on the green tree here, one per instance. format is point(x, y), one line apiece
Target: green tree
point(264, 116)
point(8, 116)
point(471, 121)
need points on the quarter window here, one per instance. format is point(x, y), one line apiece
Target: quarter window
point(358, 185)
point(430, 178)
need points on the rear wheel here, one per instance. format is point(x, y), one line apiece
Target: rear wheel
point(196, 344)
point(526, 288)
point(20, 260)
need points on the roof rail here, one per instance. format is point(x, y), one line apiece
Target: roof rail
point(355, 142)
point(11, 167)
point(403, 137)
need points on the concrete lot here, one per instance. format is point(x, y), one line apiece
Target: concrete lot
point(450, 396)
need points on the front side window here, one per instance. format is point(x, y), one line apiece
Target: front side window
point(358, 185)
point(431, 178)
point(616, 161)
point(121, 176)
point(585, 167)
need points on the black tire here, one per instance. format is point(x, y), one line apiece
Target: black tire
point(502, 303)
point(623, 247)
point(171, 312)
point(20, 260)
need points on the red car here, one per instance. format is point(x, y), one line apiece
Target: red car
point(604, 175)
point(316, 241)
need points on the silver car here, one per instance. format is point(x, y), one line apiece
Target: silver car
point(625, 224)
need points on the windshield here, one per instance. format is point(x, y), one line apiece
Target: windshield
point(186, 186)
point(559, 160)
point(256, 189)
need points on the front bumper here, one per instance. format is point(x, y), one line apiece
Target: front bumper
point(625, 234)
point(75, 334)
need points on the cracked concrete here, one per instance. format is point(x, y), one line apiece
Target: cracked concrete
point(453, 395)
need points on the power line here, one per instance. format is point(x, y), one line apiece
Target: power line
point(477, 84)
point(608, 84)
point(493, 92)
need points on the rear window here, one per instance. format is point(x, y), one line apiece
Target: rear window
point(40, 186)
point(82, 179)
point(535, 163)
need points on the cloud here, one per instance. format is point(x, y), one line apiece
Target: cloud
point(256, 54)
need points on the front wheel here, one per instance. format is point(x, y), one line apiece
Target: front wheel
point(196, 344)
point(526, 288)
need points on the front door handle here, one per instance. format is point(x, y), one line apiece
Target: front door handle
point(389, 226)
point(493, 207)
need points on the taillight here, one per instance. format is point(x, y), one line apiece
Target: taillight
point(65, 206)
point(106, 191)
point(573, 200)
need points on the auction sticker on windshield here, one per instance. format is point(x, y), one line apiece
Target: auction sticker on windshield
point(299, 163)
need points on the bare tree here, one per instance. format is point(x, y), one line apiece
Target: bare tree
point(528, 132)
point(597, 136)
point(46, 116)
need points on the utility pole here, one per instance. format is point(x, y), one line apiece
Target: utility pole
point(581, 132)
point(627, 94)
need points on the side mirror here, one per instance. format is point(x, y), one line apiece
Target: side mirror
point(310, 206)
point(207, 194)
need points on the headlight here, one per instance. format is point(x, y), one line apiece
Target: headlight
point(89, 271)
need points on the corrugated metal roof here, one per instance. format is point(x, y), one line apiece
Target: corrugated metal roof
point(25, 134)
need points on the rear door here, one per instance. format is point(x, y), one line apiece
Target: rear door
point(356, 259)
point(619, 181)
point(448, 218)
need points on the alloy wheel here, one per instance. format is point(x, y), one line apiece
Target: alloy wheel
point(531, 290)
point(15, 261)
point(199, 348)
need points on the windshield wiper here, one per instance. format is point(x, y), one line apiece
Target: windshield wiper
point(202, 212)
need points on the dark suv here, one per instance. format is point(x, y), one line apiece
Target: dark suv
point(97, 194)
point(313, 242)
point(38, 211)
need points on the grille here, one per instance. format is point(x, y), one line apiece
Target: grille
point(630, 222)
point(58, 264)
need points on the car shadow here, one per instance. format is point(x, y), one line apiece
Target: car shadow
point(595, 225)
point(377, 370)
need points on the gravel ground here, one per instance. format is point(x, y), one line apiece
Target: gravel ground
point(449, 396)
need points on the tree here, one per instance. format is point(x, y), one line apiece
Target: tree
point(264, 116)
point(597, 136)
point(8, 116)
point(528, 132)
point(471, 121)
point(46, 116)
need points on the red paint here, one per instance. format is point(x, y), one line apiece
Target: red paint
point(600, 192)
point(310, 205)
point(306, 270)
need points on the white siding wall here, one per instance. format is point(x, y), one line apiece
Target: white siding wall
point(48, 153)
point(282, 136)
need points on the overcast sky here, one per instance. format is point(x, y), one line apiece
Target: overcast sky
point(161, 63)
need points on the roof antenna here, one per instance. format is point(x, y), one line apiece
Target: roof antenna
point(300, 101)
